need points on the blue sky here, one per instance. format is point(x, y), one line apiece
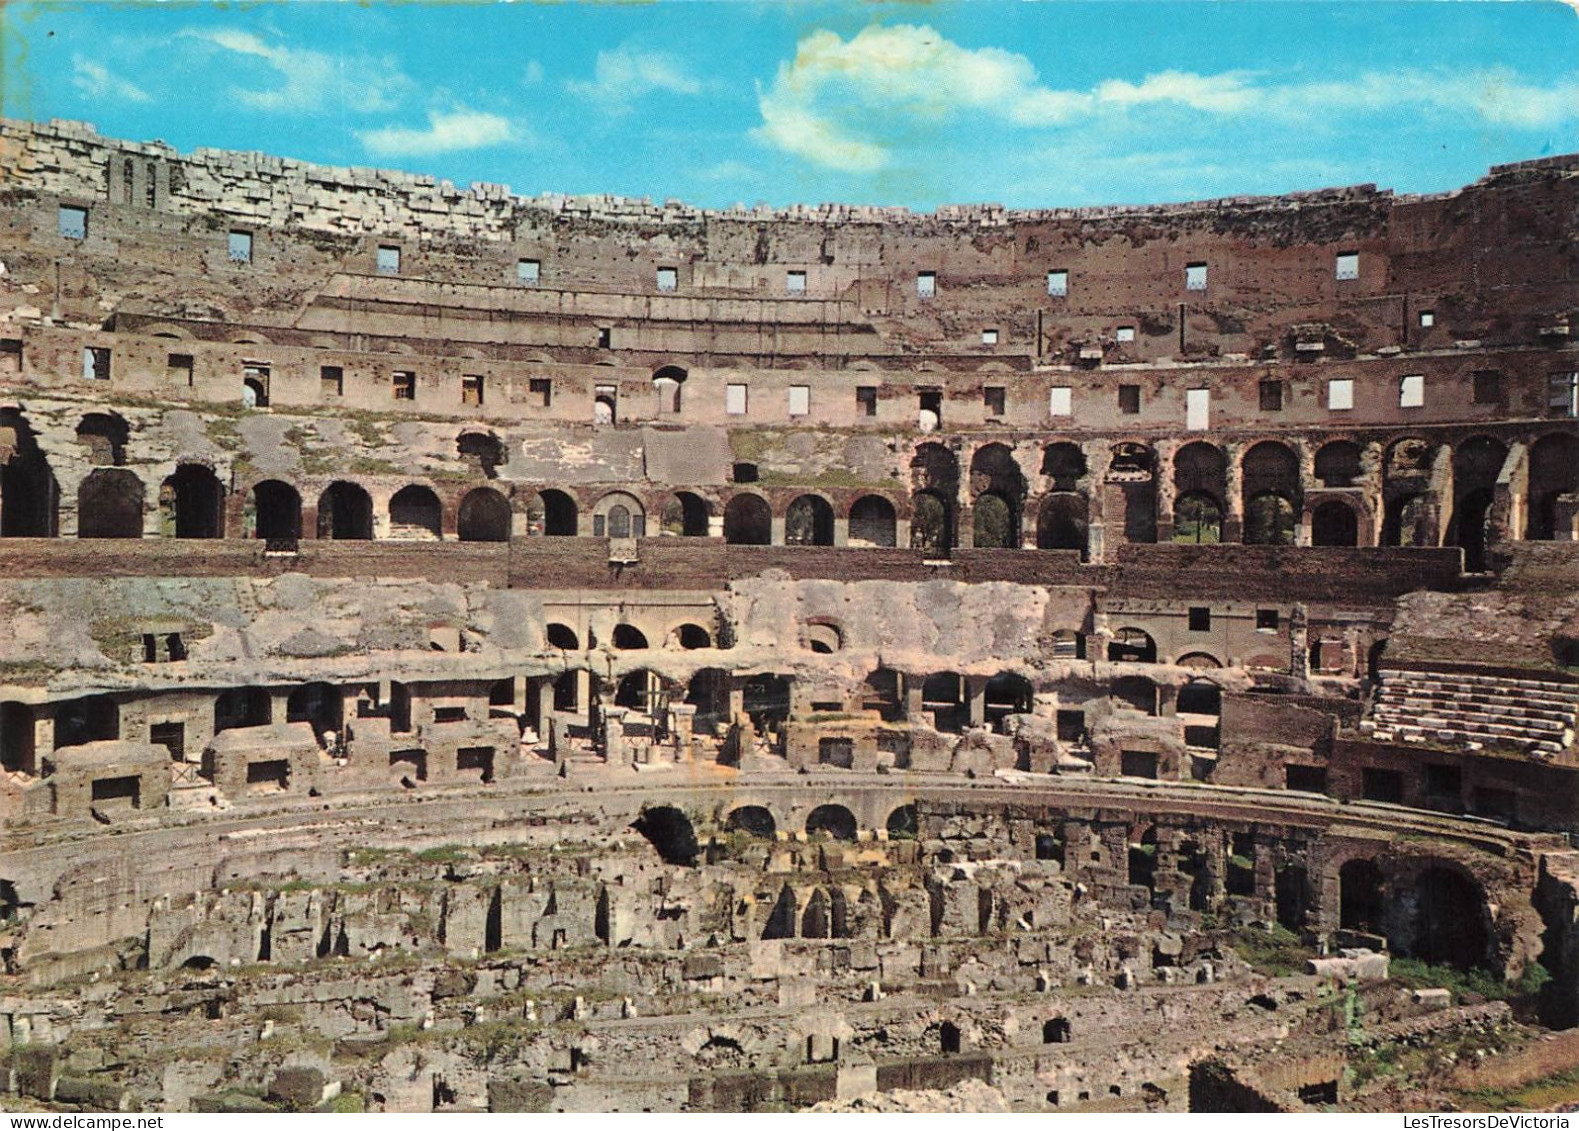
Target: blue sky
point(722, 101)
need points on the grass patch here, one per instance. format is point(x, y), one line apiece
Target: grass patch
point(1413, 974)
point(1277, 952)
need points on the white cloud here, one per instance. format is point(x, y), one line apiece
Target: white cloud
point(95, 80)
point(446, 132)
point(842, 103)
point(534, 71)
point(620, 77)
point(313, 80)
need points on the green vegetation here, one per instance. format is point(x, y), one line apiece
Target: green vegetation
point(1277, 952)
point(1543, 1094)
point(1414, 974)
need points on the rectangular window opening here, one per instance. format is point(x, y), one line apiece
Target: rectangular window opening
point(1197, 410)
point(73, 222)
point(1195, 277)
point(866, 400)
point(471, 389)
point(404, 384)
point(1562, 394)
point(540, 389)
point(1427, 319)
point(96, 363)
point(1058, 284)
point(735, 399)
point(331, 381)
point(989, 337)
point(800, 400)
point(1340, 394)
point(1124, 334)
point(1129, 399)
point(1488, 387)
point(668, 279)
point(1200, 618)
point(178, 368)
point(1348, 265)
point(1267, 620)
point(528, 272)
point(926, 284)
point(1411, 391)
point(795, 282)
point(1271, 396)
point(388, 260)
point(993, 397)
point(1061, 401)
point(240, 247)
point(605, 337)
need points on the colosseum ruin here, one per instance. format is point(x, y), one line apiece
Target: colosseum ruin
point(471, 652)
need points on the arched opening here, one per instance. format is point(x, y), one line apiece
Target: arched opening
point(1061, 523)
point(567, 692)
point(94, 718)
point(948, 1038)
point(1338, 464)
point(1554, 472)
point(903, 824)
point(1199, 697)
point(1200, 478)
point(1360, 896)
point(766, 698)
point(833, 821)
point(691, 637)
point(29, 495)
point(1291, 894)
point(1197, 519)
point(872, 522)
point(628, 637)
point(669, 383)
point(415, 514)
point(553, 513)
point(1006, 694)
point(276, 511)
point(934, 483)
point(345, 512)
point(1272, 494)
point(1198, 660)
point(1449, 922)
point(748, 521)
point(1142, 859)
point(1334, 523)
point(708, 692)
point(669, 831)
point(1065, 464)
point(1406, 522)
point(1055, 1031)
point(110, 504)
point(619, 516)
point(254, 393)
point(563, 636)
point(639, 691)
point(483, 451)
point(993, 523)
point(753, 820)
point(931, 524)
point(808, 522)
point(1132, 646)
point(192, 503)
point(1477, 463)
point(823, 636)
point(998, 487)
point(603, 409)
point(483, 516)
point(319, 704)
point(1269, 520)
point(880, 693)
point(239, 707)
point(943, 695)
point(1137, 692)
point(104, 436)
point(1132, 468)
point(686, 514)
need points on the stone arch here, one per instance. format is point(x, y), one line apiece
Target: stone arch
point(754, 820)
point(483, 450)
point(319, 704)
point(551, 512)
point(872, 522)
point(1334, 523)
point(1137, 691)
point(619, 515)
point(562, 636)
point(110, 504)
point(276, 511)
point(903, 823)
point(1065, 464)
point(708, 692)
point(934, 482)
point(691, 637)
point(1006, 694)
point(1199, 697)
point(671, 834)
point(1132, 645)
point(823, 635)
point(641, 691)
point(1061, 523)
point(1132, 468)
point(808, 521)
point(1271, 493)
point(766, 698)
point(345, 512)
point(1200, 468)
point(415, 514)
point(748, 520)
point(1197, 519)
point(192, 503)
point(627, 637)
point(668, 381)
point(1477, 463)
point(237, 707)
point(831, 820)
point(1141, 862)
point(1406, 520)
point(1338, 464)
point(1554, 472)
point(686, 514)
point(29, 494)
point(1198, 660)
point(104, 435)
point(998, 489)
point(1361, 896)
point(483, 516)
point(1449, 921)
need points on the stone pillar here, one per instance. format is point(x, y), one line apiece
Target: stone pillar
point(43, 735)
point(911, 691)
point(901, 532)
point(777, 536)
point(545, 706)
point(1165, 490)
point(1307, 479)
point(683, 726)
point(1299, 642)
point(1372, 460)
point(1234, 494)
point(584, 693)
point(976, 699)
point(616, 751)
point(841, 531)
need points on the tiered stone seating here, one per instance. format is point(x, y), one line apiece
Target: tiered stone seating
point(1530, 713)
